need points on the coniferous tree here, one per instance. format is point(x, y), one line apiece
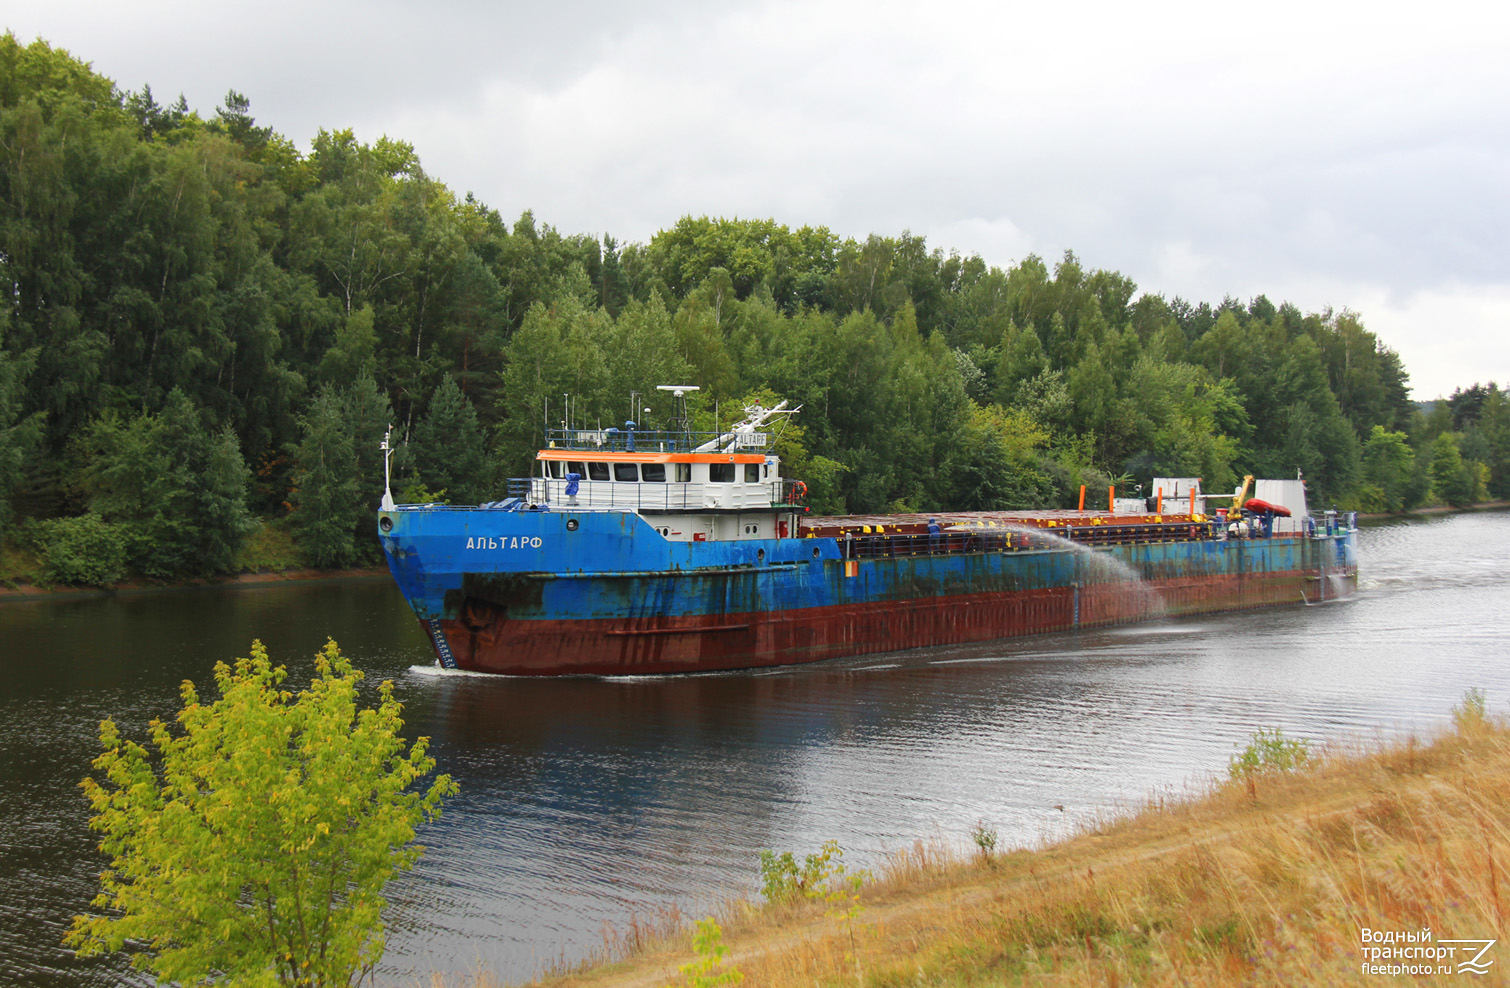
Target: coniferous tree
point(325, 484)
point(448, 449)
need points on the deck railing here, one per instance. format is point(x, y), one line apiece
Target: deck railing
point(598, 495)
point(649, 441)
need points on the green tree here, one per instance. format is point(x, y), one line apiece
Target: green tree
point(552, 354)
point(19, 431)
point(254, 848)
point(353, 354)
point(338, 474)
point(1022, 360)
point(1451, 479)
point(448, 449)
point(1389, 470)
point(1493, 427)
point(180, 491)
point(995, 465)
point(324, 497)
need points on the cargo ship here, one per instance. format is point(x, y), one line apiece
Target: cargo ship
point(639, 552)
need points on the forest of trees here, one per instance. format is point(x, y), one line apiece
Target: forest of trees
point(208, 331)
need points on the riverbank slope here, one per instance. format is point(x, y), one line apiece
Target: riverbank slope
point(1266, 880)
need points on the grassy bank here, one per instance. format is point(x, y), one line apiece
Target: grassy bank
point(1265, 879)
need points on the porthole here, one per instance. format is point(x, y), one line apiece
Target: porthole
point(816, 553)
point(386, 524)
point(571, 524)
point(760, 554)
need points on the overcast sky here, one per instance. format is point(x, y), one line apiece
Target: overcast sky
point(1350, 156)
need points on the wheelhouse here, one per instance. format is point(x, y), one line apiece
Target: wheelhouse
point(673, 472)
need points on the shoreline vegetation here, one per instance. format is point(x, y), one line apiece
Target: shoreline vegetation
point(209, 331)
point(1269, 876)
point(267, 557)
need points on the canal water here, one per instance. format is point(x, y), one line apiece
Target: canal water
point(587, 802)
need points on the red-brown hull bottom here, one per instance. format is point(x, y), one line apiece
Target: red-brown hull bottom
point(660, 645)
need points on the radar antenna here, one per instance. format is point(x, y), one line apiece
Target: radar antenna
point(679, 419)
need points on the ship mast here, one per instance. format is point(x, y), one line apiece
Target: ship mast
point(387, 448)
point(755, 417)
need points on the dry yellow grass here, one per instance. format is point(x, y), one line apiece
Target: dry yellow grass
point(1256, 885)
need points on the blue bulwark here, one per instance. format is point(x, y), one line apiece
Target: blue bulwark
point(442, 649)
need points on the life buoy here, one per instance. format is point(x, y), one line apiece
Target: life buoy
point(796, 492)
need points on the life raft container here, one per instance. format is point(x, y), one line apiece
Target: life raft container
point(1258, 507)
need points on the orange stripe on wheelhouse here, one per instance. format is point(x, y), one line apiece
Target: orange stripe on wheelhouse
point(582, 456)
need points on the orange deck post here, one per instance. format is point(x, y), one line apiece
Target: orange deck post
point(1111, 500)
point(1160, 503)
point(1082, 499)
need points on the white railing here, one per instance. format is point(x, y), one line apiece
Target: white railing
point(649, 496)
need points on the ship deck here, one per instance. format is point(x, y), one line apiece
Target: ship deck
point(974, 532)
point(838, 526)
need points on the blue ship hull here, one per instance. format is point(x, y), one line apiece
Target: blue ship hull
point(603, 593)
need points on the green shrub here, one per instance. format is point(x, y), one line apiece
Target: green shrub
point(269, 546)
point(83, 550)
point(1270, 751)
point(708, 970)
point(1473, 713)
point(783, 880)
point(415, 492)
point(251, 843)
point(985, 838)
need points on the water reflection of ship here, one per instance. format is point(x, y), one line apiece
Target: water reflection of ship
point(645, 744)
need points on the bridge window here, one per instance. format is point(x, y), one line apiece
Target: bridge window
point(626, 472)
point(597, 471)
point(579, 469)
point(683, 473)
point(752, 473)
point(720, 473)
point(554, 466)
point(653, 473)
